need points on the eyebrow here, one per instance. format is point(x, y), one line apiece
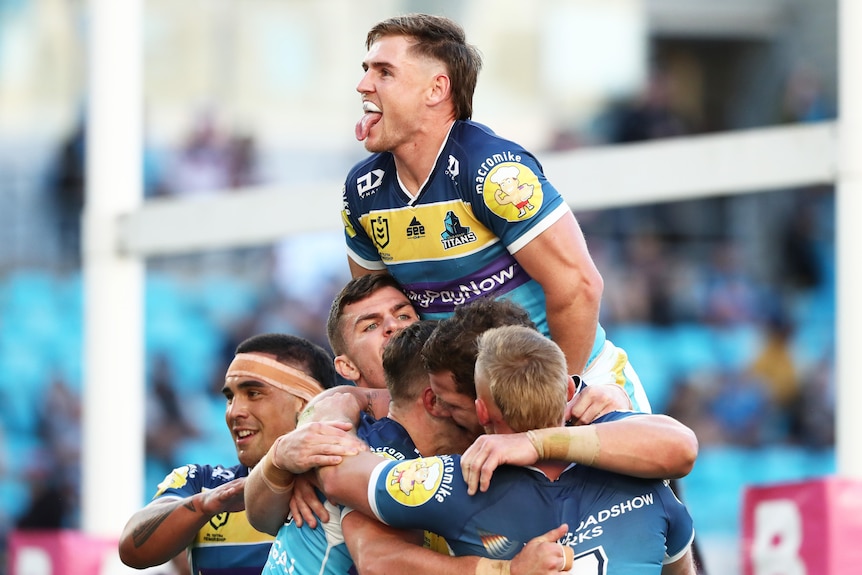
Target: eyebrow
point(377, 315)
point(246, 384)
point(402, 305)
point(377, 64)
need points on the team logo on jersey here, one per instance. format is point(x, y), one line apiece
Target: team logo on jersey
point(176, 479)
point(497, 545)
point(367, 184)
point(513, 192)
point(454, 167)
point(380, 231)
point(415, 230)
point(218, 521)
point(455, 234)
point(415, 481)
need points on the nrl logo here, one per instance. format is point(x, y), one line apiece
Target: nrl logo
point(219, 520)
point(380, 231)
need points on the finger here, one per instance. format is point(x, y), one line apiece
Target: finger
point(568, 557)
point(317, 509)
point(294, 512)
point(303, 512)
point(342, 425)
point(470, 476)
point(487, 472)
point(554, 534)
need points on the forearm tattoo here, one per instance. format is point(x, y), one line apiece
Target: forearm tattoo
point(145, 530)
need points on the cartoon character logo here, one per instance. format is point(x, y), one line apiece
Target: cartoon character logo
point(415, 481)
point(177, 478)
point(515, 193)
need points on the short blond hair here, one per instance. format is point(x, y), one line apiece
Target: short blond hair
point(527, 376)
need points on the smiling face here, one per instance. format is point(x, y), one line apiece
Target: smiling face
point(396, 89)
point(256, 414)
point(368, 325)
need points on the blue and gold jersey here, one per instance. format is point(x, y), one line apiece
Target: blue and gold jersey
point(322, 551)
point(618, 525)
point(486, 198)
point(227, 544)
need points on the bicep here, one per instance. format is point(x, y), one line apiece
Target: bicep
point(682, 566)
point(559, 255)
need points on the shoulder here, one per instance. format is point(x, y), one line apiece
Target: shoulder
point(363, 171)
point(388, 438)
point(468, 133)
point(481, 150)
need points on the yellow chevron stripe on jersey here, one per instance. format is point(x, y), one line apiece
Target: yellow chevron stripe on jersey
point(452, 224)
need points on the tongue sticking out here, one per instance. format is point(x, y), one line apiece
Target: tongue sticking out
point(363, 126)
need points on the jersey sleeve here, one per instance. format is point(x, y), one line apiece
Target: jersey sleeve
point(360, 248)
point(680, 534)
point(418, 494)
point(510, 193)
point(181, 482)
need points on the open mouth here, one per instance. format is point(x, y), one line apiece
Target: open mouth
point(371, 116)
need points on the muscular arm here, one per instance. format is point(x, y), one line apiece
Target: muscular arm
point(377, 549)
point(267, 507)
point(347, 482)
point(651, 446)
point(643, 445)
point(270, 483)
point(683, 566)
point(162, 529)
point(559, 261)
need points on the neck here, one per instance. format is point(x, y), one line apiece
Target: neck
point(429, 434)
point(415, 159)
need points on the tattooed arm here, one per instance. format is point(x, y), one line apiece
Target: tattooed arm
point(162, 529)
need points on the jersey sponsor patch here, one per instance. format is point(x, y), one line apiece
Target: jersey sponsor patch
point(175, 479)
point(513, 192)
point(348, 227)
point(415, 481)
point(453, 223)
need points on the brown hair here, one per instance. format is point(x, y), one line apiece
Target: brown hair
point(444, 40)
point(452, 346)
point(357, 289)
point(406, 377)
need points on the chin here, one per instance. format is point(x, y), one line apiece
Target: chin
point(372, 148)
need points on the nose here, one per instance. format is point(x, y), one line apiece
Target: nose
point(235, 409)
point(364, 85)
point(391, 325)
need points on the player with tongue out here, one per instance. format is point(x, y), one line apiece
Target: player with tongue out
point(432, 207)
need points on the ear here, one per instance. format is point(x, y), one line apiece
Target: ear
point(482, 413)
point(440, 89)
point(570, 389)
point(346, 369)
point(431, 404)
